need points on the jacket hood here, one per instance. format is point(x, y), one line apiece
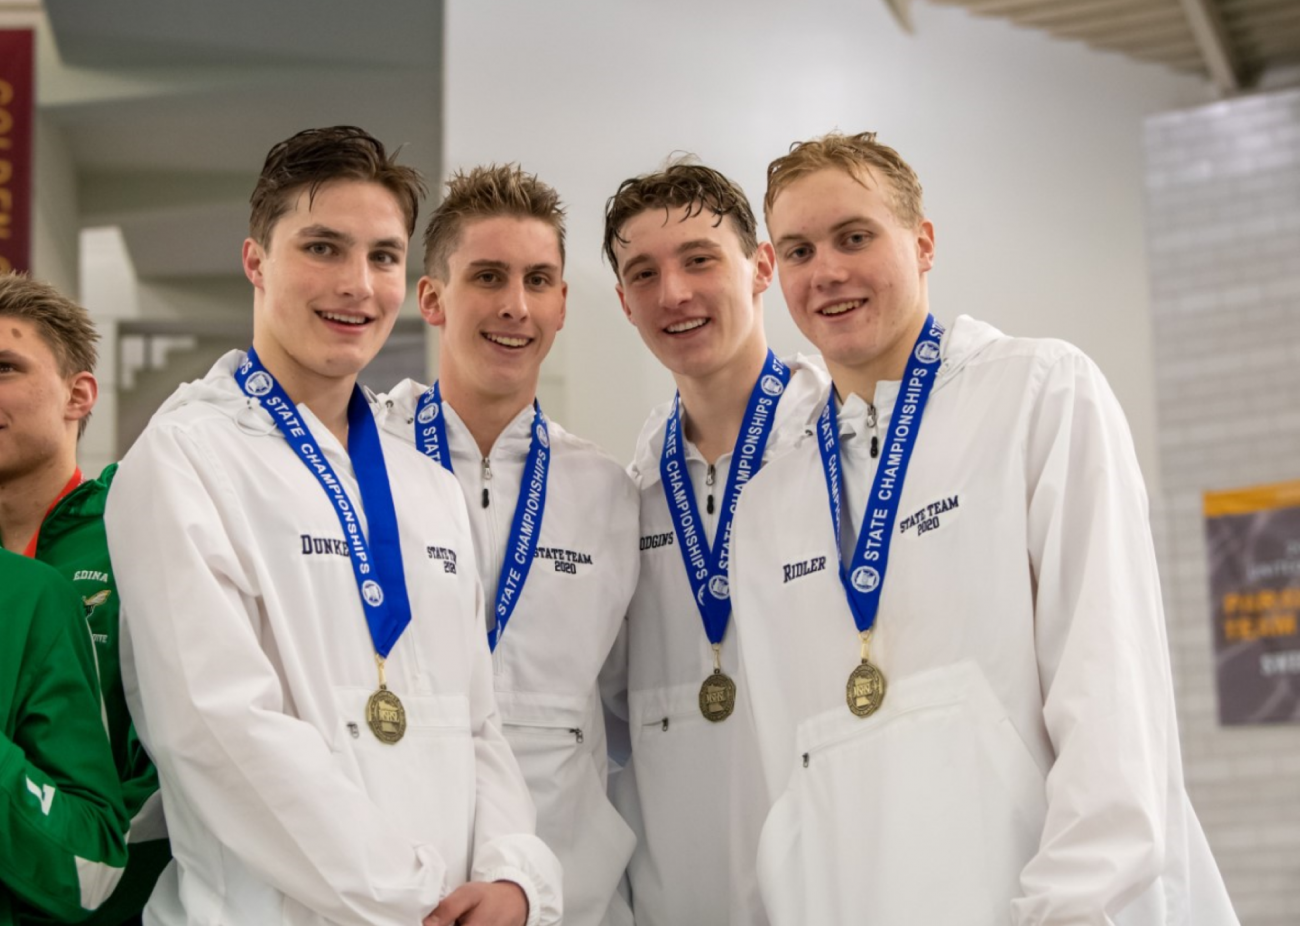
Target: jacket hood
point(810, 385)
point(218, 388)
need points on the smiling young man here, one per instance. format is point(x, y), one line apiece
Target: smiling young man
point(690, 276)
point(967, 716)
point(311, 680)
point(554, 519)
point(50, 512)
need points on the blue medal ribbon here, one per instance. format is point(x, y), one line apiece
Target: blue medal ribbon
point(526, 528)
point(865, 579)
point(708, 569)
point(376, 560)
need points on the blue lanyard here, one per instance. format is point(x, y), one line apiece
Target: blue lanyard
point(377, 561)
point(526, 528)
point(865, 579)
point(707, 569)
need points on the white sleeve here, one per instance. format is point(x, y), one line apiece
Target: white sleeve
point(505, 821)
point(211, 707)
point(1102, 656)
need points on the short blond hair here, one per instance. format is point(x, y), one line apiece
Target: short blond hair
point(62, 324)
point(859, 156)
point(484, 193)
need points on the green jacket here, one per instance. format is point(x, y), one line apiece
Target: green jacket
point(62, 820)
point(72, 540)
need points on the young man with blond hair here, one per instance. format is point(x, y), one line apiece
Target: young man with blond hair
point(554, 519)
point(967, 716)
point(311, 680)
point(690, 275)
point(49, 511)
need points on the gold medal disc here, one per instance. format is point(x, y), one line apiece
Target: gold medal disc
point(717, 696)
point(386, 716)
point(865, 690)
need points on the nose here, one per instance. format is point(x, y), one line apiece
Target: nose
point(674, 288)
point(356, 279)
point(828, 269)
point(514, 301)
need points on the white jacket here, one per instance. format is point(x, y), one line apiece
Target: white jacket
point(675, 790)
point(1024, 767)
point(547, 661)
point(248, 663)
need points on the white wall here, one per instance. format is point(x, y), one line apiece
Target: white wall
point(1029, 150)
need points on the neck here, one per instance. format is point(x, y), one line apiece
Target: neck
point(713, 407)
point(25, 498)
point(485, 416)
point(889, 365)
point(326, 396)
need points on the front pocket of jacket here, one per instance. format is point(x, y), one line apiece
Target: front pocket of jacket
point(923, 813)
point(425, 782)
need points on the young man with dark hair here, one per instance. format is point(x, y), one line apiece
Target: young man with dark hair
point(967, 715)
point(690, 276)
point(49, 511)
point(311, 679)
point(554, 519)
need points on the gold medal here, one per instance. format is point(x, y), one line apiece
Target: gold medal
point(718, 693)
point(384, 712)
point(865, 690)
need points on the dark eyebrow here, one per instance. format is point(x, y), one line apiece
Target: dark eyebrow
point(324, 231)
point(698, 244)
point(392, 244)
point(488, 265)
point(546, 267)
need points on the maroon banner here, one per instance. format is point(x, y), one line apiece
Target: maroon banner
point(17, 82)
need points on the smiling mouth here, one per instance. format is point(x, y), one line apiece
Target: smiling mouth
point(356, 321)
point(839, 308)
point(505, 340)
point(689, 325)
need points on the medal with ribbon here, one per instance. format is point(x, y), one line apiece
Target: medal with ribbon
point(864, 579)
point(526, 527)
point(376, 559)
point(707, 568)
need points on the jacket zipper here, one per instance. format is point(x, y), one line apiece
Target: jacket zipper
point(708, 481)
point(487, 477)
point(875, 452)
point(575, 732)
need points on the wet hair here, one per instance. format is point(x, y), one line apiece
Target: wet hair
point(860, 156)
point(315, 157)
point(681, 184)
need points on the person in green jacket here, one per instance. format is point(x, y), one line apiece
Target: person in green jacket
point(50, 513)
point(62, 820)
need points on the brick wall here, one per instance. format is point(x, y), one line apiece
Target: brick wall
point(1223, 236)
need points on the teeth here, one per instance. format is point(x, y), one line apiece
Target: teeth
point(506, 341)
point(685, 326)
point(345, 319)
point(840, 308)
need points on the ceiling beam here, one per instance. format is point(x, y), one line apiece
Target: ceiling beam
point(1216, 48)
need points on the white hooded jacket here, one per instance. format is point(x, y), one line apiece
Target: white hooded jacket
point(1024, 767)
point(569, 613)
point(248, 664)
point(675, 790)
